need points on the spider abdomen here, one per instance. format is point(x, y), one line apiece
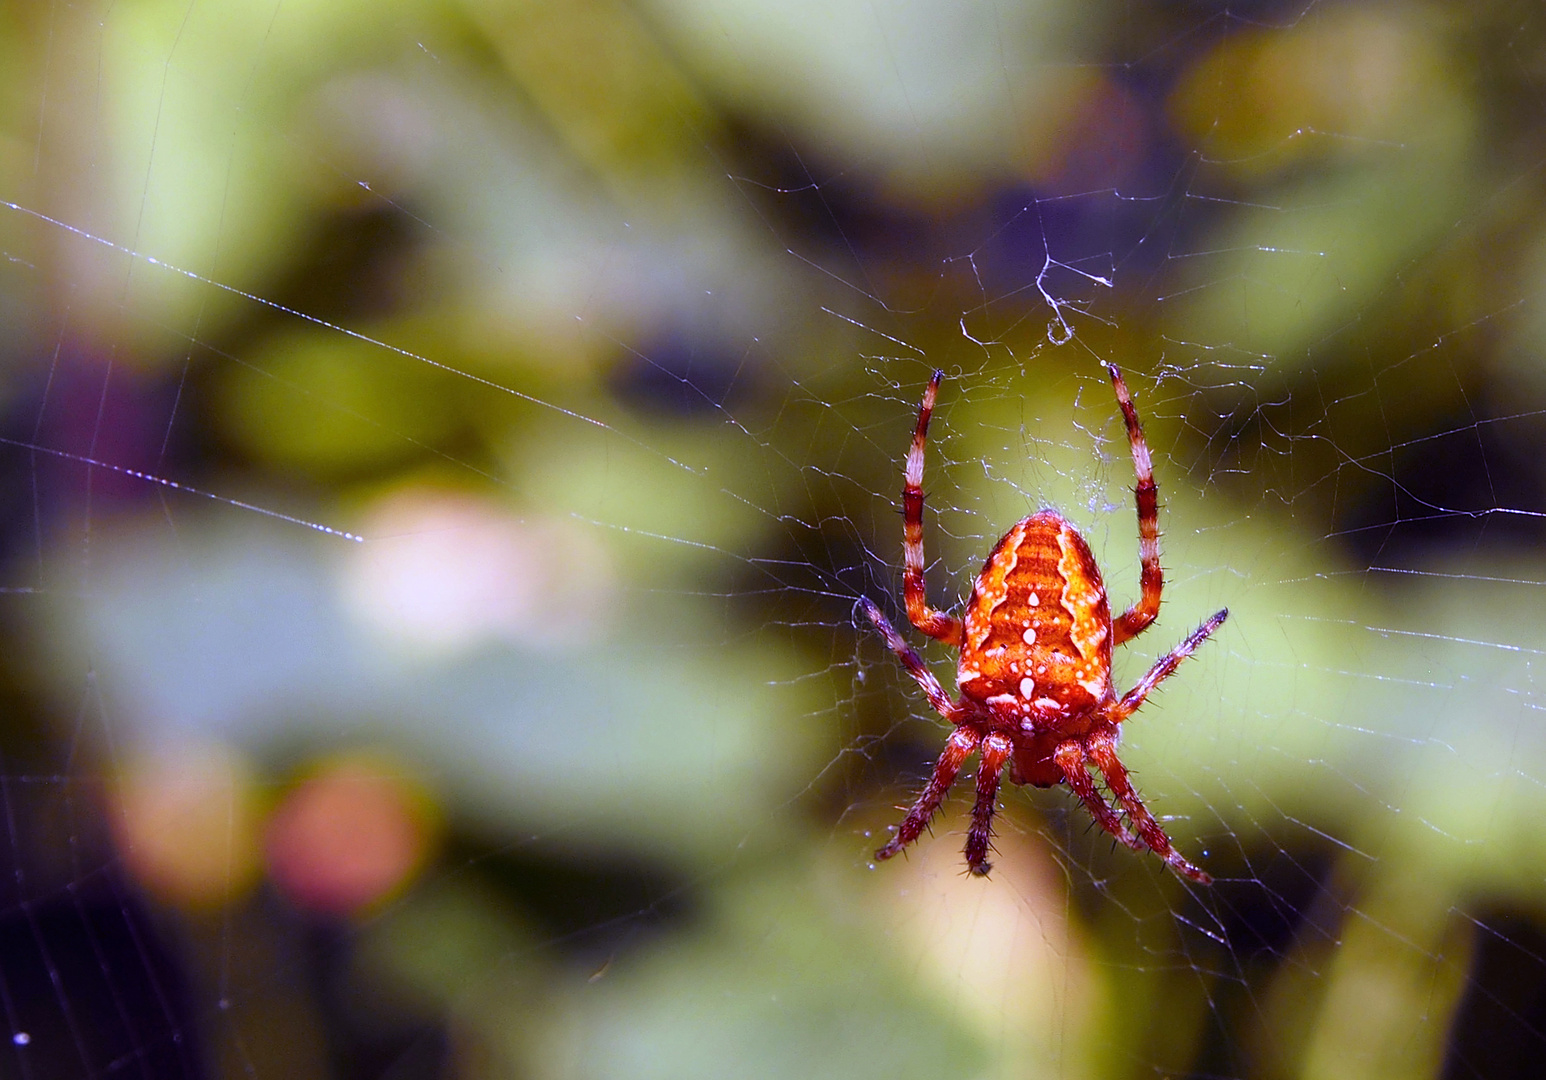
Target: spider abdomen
point(1038, 625)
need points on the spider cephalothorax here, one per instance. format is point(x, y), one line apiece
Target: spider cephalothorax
point(1035, 668)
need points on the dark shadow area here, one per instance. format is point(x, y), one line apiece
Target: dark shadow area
point(1500, 1028)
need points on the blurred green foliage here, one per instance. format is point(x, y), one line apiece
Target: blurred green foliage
point(669, 275)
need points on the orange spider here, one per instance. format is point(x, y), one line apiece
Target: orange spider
point(1035, 665)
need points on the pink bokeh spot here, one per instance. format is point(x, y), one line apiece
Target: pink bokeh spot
point(347, 838)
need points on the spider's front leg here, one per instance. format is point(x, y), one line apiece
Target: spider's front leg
point(996, 748)
point(958, 747)
point(1104, 753)
point(1070, 760)
point(962, 741)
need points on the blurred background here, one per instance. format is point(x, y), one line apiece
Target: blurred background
point(442, 446)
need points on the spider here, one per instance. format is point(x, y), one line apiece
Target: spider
point(1035, 664)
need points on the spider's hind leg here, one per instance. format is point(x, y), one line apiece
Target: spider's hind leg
point(1164, 668)
point(1138, 618)
point(937, 624)
point(910, 660)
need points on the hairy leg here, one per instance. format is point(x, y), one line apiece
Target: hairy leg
point(1163, 668)
point(958, 747)
point(1069, 757)
point(1137, 618)
point(1103, 752)
point(995, 751)
point(925, 679)
point(934, 623)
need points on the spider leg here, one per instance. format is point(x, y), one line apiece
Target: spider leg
point(934, 623)
point(995, 751)
point(1163, 668)
point(1103, 752)
point(1137, 618)
point(962, 741)
point(1069, 757)
point(950, 710)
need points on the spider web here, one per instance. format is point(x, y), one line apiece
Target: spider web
point(444, 447)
